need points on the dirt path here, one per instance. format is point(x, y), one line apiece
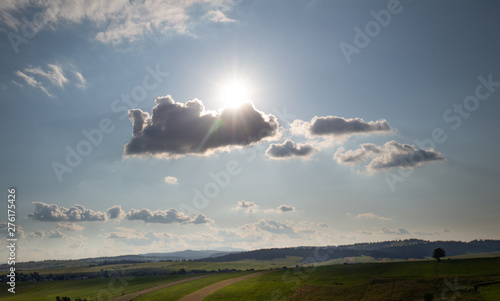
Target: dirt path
point(133, 295)
point(202, 293)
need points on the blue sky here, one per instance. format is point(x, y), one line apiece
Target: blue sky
point(155, 126)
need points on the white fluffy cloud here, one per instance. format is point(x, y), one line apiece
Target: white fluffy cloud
point(170, 180)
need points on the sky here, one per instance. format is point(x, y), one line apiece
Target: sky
point(134, 127)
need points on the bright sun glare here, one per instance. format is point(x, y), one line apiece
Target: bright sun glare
point(235, 92)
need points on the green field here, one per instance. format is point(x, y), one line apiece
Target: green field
point(454, 279)
point(92, 289)
point(139, 269)
point(449, 280)
point(181, 290)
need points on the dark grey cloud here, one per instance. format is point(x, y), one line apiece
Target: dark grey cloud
point(391, 155)
point(339, 126)
point(169, 216)
point(288, 149)
point(285, 208)
point(333, 125)
point(54, 213)
point(175, 129)
point(115, 212)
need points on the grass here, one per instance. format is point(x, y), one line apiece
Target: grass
point(373, 281)
point(490, 292)
point(464, 279)
point(178, 291)
point(92, 289)
point(139, 269)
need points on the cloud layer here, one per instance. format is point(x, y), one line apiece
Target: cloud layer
point(390, 155)
point(78, 213)
point(119, 20)
point(289, 149)
point(176, 129)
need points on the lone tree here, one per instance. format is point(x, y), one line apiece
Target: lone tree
point(438, 254)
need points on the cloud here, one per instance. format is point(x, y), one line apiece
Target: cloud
point(169, 216)
point(170, 180)
point(288, 149)
point(31, 81)
point(38, 234)
point(339, 126)
point(281, 209)
point(177, 129)
point(119, 20)
point(425, 233)
point(54, 75)
point(56, 234)
point(248, 207)
point(202, 219)
point(218, 16)
point(69, 226)
point(272, 226)
point(399, 231)
point(285, 208)
point(115, 212)
point(4, 232)
point(390, 155)
point(81, 82)
point(54, 213)
point(372, 216)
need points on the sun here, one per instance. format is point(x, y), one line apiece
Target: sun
point(235, 92)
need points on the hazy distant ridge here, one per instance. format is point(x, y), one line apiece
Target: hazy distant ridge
point(405, 249)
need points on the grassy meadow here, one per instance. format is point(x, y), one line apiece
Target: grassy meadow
point(447, 280)
point(453, 279)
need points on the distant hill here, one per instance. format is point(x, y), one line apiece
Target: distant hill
point(400, 249)
point(187, 254)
